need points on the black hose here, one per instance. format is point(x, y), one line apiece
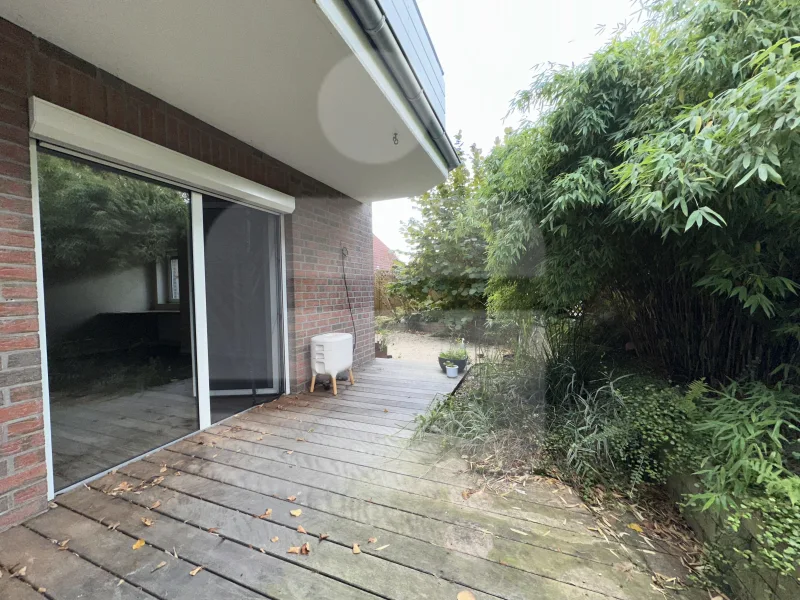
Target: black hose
point(349, 304)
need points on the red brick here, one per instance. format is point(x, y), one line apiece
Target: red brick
point(14, 187)
point(18, 480)
point(16, 239)
point(37, 490)
point(16, 152)
point(98, 100)
point(19, 428)
point(82, 93)
point(115, 105)
point(26, 392)
point(14, 117)
point(9, 221)
point(23, 513)
point(20, 410)
point(61, 84)
point(15, 34)
point(18, 309)
point(25, 257)
point(18, 205)
point(17, 274)
point(13, 67)
point(22, 444)
point(24, 325)
point(29, 459)
point(18, 342)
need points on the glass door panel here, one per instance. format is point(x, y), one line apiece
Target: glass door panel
point(242, 304)
point(117, 265)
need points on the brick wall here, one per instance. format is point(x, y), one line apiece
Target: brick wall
point(324, 221)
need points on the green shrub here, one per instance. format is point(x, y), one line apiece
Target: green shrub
point(454, 354)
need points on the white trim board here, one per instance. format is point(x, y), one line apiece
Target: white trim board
point(52, 123)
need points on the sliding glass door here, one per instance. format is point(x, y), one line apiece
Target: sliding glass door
point(119, 315)
point(242, 305)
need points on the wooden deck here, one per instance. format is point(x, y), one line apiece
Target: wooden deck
point(219, 512)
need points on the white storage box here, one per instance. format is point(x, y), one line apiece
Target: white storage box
point(331, 353)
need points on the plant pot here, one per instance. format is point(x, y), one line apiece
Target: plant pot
point(461, 364)
point(452, 372)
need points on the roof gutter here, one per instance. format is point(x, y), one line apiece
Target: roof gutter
point(374, 23)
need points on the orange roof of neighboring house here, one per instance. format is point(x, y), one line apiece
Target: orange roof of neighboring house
point(382, 257)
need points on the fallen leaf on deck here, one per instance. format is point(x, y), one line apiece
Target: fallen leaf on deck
point(385, 410)
point(195, 571)
point(305, 549)
point(267, 514)
point(299, 440)
point(275, 539)
point(259, 438)
point(163, 468)
point(356, 549)
point(296, 513)
point(63, 545)
point(300, 529)
point(120, 582)
point(323, 536)
point(158, 480)
point(41, 590)
point(372, 540)
point(52, 505)
point(147, 522)
point(138, 544)
point(293, 550)
point(113, 526)
point(381, 548)
point(635, 527)
point(517, 531)
point(292, 498)
point(465, 595)
point(163, 563)
point(262, 551)
point(155, 505)
point(290, 452)
point(213, 529)
point(20, 572)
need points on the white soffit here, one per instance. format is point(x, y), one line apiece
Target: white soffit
point(57, 125)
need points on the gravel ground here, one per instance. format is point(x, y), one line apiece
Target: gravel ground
point(416, 347)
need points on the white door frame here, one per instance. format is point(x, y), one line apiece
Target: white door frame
point(74, 134)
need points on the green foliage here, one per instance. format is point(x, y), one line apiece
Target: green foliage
point(620, 432)
point(662, 178)
point(749, 428)
point(447, 269)
point(96, 221)
point(454, 354)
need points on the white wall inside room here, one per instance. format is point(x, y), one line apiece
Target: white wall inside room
point(68, 305)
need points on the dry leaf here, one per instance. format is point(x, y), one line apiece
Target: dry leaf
point(138, 544)
point(20, 572)
point(163, 468)
point(41, 590)
point(372, 540)
point(385, 410)
point(305, 549)
point(465, 595)
point(635, 527)
point(293, 550)
point(381, 548)
point(299, 440)
point(356, 549)
point(163, 563)
point(275, 539)
point(323, 536)
point(262, 551)
point(113, 526)
point(517, 531)
point(300, 529)
point(213, 529)
point(195, 571)
point(290, 452)
point(63, 545)
point(120, 582)
point(147, 522)
point(296, 513)
point(267, 514)
point(292, 498)
point(155, 505)
point(158, 480)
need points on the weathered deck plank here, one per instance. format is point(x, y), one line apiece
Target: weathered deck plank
point(351, 464)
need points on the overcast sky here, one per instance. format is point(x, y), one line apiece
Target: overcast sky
point(488, 49)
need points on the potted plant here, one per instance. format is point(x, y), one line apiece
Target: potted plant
point(451, 369)
point(455, 356)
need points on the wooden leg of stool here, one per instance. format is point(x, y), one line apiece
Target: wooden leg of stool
point(313, 381)
point(333, 379)
point(352, 379)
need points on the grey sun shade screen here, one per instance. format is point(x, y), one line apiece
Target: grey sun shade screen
point(241, 295)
